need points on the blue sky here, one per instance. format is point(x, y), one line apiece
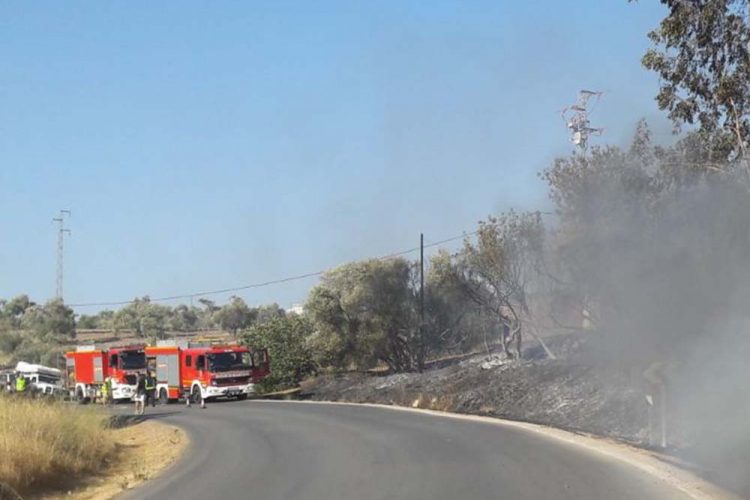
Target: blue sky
point(203, 145)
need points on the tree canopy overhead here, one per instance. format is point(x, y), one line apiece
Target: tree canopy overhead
point(701, 54)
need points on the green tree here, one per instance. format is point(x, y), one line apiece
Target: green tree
point(154, 321)
point(10, 340)
point(13, 310)
point(268, 312)
point(86, 322)
point(184, 318)
point(101, 320)
point(105, 319)
point(206, 315)
point(144, 318)
point(53, 319)
point(288, 342)
point(235, 316)
point(701, 56)
point(365, 312)
point(453, 323)
point(34, 333)
point(128, 317)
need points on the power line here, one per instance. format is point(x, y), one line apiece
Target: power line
point(265, 283)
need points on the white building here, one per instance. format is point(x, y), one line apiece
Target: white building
point(298, 309)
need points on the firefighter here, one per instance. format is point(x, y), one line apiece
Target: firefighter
point(110, 393)
point(189, 397)
point(103, 392)
point(107, 391)
point(21, 384)
point(151, 389)
point(140, 395)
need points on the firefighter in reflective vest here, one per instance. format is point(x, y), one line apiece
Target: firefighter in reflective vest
point(107, 391)
point(151, 389)
point(21, 384)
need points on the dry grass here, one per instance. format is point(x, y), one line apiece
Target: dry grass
point(46, 444)
point(144, 450)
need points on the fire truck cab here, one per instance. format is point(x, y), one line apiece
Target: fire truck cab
point(199, 370)
point(88, 367)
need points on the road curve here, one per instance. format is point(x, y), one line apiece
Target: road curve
point(269, 450)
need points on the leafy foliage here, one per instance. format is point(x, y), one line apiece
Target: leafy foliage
point(701, 55)
point(33, 332)
point(365, 312)
point(143, 317)
point(288, 340)
point(235, 316)
point(52, 319)
point(184, 318)
point(454, 323)
point(268, 312)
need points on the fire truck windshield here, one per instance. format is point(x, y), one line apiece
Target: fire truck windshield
point(132, 360)
point(226, 361)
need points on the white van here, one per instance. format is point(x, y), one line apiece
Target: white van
point(42, 379)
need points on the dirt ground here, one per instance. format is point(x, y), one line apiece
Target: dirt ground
point(144, 450)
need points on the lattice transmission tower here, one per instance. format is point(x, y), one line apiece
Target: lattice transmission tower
point(576, 118)
point(61, 232)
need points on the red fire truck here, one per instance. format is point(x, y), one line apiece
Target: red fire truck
point(87, 367)
point(211, 371)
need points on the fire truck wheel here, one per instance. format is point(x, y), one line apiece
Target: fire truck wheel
point(80, 398)
point(195, 394)
point(163, 396)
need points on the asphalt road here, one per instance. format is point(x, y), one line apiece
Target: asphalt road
point(270, 450)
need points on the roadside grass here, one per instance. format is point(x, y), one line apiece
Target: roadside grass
point(46, 444)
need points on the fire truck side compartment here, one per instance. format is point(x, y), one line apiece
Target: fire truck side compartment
point(168, 369)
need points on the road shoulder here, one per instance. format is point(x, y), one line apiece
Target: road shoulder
point(145, 449)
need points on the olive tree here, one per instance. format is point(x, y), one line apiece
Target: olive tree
point(365, 313)
point(235, 316)
point(496, 270)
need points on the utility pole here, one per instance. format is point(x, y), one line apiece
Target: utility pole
point(421, 302)
point(60, 250)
